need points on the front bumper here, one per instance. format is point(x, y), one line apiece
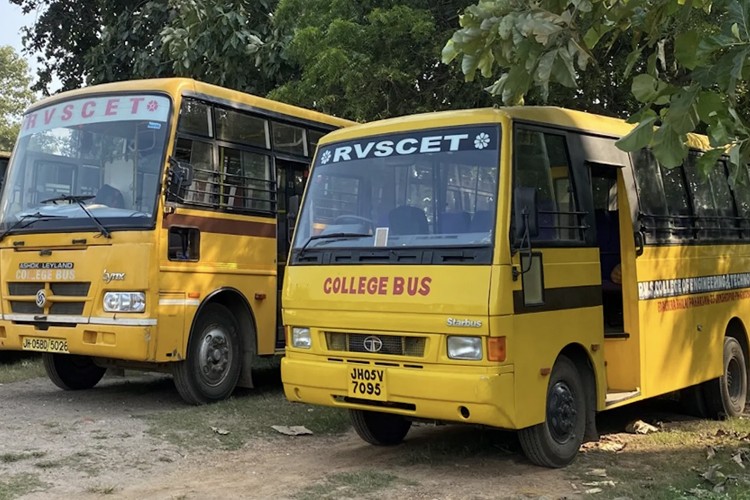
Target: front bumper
point(476, 395)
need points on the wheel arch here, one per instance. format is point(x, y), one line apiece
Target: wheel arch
point(585, 365)
point(238, 305)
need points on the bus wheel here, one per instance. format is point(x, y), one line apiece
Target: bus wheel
point(72, 372)
point(385, 429)
point(555, 442)
point(212, 366)
point(727, 395)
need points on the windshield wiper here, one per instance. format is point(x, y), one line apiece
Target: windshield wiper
point(34, 217)
point(332, 237)
point(77, 198)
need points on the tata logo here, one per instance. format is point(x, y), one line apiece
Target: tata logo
point(372, 344)
point(473, 139)
point(41, 298)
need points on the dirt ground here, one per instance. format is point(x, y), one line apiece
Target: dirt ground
point(96, 443)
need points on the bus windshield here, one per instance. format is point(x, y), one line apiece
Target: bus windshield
point(103, 153)
point(430, 188)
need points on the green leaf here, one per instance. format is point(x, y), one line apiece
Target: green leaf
point(644, 88)
point(669, 147)
point(684, 49)
point(563, 69)
point(639, 137)
point(591, 38)
point(709, 105)
point(707, 161)
point(682, 116)
point(718, 134)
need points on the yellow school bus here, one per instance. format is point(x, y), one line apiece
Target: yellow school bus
point(143, 224)
point(513, 268)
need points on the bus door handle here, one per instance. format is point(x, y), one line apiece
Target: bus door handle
point(639, 239)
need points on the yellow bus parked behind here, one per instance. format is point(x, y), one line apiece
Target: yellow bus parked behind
point(143, 224)
point(513, 268)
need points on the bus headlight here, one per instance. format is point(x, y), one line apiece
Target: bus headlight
point(125, 302)
point(465, 348)
point(301, 338)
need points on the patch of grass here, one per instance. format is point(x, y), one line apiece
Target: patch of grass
point(21, 369)
point(359, 484)
point(246, 415)
point(23, 455)
point(18, 485)
point(688, 459)
point(101, 490)
point(80, 461)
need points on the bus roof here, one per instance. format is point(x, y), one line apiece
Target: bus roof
point(176, 86)
point(543, 115)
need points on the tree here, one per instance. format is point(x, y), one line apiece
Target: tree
point(229, 43)
point(371, 59)
point(687, 63)
point(15, 97)
point(97, 41)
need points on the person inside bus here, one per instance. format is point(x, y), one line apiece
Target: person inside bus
point(109, 196)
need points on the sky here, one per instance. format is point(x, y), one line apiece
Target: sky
point(11, 22)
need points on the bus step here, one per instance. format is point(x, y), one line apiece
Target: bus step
point(620, 396)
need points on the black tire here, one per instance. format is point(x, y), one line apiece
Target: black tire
point(72, 372)
point(214, 358)
point(555, 442)
point(726, 396)
point(382, 429)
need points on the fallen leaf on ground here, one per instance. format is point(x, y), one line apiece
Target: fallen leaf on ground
point(292, 430)
point(597, 472)
point(220, 432)
point(714, 476)
point(710, 452)
point(640, 427)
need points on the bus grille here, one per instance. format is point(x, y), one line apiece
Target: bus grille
point(23, 296)
point(375, 344)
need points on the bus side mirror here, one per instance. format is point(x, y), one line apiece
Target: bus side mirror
point(525, 215)
point(179, 178)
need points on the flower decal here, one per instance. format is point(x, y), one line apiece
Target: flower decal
point(326, 157)
point(152, 106)
point(481, 141)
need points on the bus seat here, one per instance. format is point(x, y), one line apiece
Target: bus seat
point(481, 222)
point(407, 219)
point(110, 196)
point(454, 222)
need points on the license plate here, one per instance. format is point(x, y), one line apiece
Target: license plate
point(44, 345)
point(367, 383)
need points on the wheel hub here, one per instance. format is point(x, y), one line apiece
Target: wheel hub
point(215, 356)
point(561, 413)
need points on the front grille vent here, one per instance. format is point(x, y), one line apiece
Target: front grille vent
point(397, 345)
point(23, 297)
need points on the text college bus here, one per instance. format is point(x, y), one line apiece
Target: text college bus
point(143, 224)
point(514, 268)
